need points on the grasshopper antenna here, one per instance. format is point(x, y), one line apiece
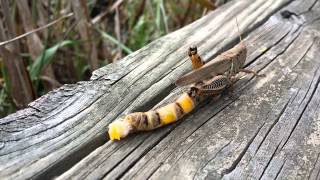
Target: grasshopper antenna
point(238, 30)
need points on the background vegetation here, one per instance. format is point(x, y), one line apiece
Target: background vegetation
point(61, 41)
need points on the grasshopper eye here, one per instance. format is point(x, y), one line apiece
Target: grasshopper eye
point(193, 48)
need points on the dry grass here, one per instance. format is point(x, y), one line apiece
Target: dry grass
point(44, 44)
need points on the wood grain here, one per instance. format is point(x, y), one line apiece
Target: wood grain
point(270, 130)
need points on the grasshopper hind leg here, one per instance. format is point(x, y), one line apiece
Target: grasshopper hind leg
point(216, 97)
point(230, 88)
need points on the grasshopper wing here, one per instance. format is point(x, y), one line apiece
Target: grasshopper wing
point(218, 65)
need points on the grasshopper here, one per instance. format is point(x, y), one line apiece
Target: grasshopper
point(226, 65)
point(213, 78)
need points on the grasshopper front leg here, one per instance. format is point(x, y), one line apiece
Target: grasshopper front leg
point(235, 68)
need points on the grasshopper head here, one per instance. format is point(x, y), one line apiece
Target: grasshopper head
point(192, 50)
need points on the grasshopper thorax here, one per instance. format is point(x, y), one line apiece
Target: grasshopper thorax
point(238, 56)
point(242, 56)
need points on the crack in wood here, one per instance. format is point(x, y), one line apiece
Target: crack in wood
point(273, 124)
point(269, 161)
point(304, 108)
point(280, 169)
point(313, 168)
point(206, 163)
point(241, 155)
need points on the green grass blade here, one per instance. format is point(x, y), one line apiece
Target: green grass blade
point(158, 17)
point(164, 16)
point(115, 41)
point(46, 58)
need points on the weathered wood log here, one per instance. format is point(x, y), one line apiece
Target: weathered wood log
point(270, 131)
